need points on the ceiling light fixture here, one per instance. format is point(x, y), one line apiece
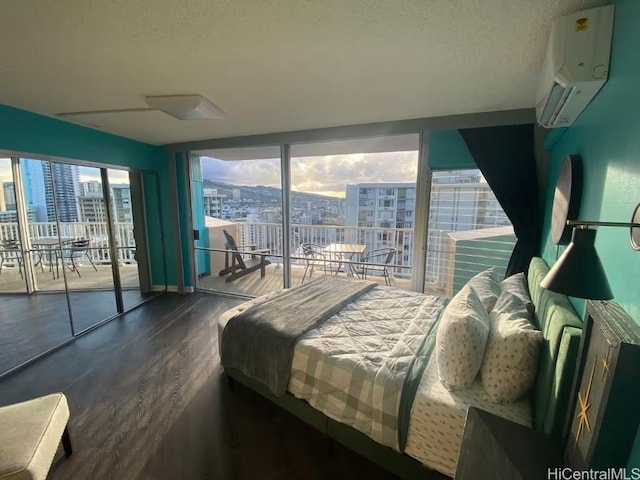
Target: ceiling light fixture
point(186, 107)
point(182, 107)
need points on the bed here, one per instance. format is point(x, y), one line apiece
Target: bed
point(409, 423)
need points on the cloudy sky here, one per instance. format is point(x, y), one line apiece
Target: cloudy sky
point(327, 175)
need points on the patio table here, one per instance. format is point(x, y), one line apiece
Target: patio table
point(345, 251)
point(49, 247)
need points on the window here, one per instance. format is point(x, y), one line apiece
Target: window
point(468, 231)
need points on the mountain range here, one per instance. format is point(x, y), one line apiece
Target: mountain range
point(261, 193)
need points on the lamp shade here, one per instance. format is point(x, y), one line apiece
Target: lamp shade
point(578, 272)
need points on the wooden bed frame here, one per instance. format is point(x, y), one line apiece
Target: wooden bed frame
point(547, 304)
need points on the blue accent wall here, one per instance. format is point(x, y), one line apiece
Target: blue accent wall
point(607, 136)
point(38, 135)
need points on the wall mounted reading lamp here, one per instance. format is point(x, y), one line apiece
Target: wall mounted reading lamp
point(579, 272)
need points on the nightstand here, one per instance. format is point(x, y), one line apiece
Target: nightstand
point(496, 448)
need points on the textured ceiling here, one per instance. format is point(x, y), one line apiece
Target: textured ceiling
point(272, 65)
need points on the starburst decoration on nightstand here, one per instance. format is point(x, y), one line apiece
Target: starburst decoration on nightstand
point(605, 364)
point(584, 407)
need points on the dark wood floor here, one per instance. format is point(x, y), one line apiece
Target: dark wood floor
point(149, 401)
point(32, 324)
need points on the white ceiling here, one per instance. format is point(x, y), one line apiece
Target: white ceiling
point(272, 65)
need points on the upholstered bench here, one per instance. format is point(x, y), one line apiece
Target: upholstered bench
point(30, 433)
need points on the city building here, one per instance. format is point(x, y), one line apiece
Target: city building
point(45, 180)
point(461, 200)
point(11, 216)
point(3, 204)
point(91, 207)
point(121, 198)
point(34, 187)
point(9, 195)
point(213, 202)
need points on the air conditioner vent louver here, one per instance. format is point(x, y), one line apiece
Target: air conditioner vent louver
point(575, 66)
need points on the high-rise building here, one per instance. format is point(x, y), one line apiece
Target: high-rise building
point(388, 209)
point(91, 206)
point(66, 183)
point(460, 201)
point(34, 187)
point(9, 191)
point(213, 202)
point(121, 197)
point(3, 204)
point(380, 205)
point(90, 202)
point(41, 179)
point(11, 216)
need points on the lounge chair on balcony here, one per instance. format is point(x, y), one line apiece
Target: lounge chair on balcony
point(10, 252)
point(236, 266)
point(377, 261)
point(315, 256)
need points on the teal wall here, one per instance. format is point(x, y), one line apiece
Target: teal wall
point(34, 134)
point(448, 151)
point(607, 136)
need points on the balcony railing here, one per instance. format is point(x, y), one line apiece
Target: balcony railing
point(269, 236)
point(452, 257)
point(96, 232)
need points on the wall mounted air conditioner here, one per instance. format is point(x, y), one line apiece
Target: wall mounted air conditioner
point(576, 65)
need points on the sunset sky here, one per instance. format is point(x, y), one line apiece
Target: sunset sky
point(327, 175)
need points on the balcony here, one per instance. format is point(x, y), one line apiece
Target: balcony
point(452, 257)
point(49, 278)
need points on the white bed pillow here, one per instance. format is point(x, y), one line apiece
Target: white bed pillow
point(487, 287)
point(461, 339)
point(516, 286)
point(511, 360)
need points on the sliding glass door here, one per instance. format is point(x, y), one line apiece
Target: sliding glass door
point(468, 231)
point(352, 209)
point(237, 211)
point(350, 212)
point(69, 252)
point(12, 274)
point(87, 253)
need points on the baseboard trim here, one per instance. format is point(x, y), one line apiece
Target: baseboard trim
point(164, 288)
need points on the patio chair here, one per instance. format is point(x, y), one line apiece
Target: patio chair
point(76, 250)
point(235, 266)
point(315, 257)
point(10, 252)
point(377, 261)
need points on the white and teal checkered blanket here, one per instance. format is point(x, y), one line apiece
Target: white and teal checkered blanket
point(355, 366)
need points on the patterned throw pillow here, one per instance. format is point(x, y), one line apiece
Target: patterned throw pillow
point(461, 339)
point(487, 287)
point(511, 360)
